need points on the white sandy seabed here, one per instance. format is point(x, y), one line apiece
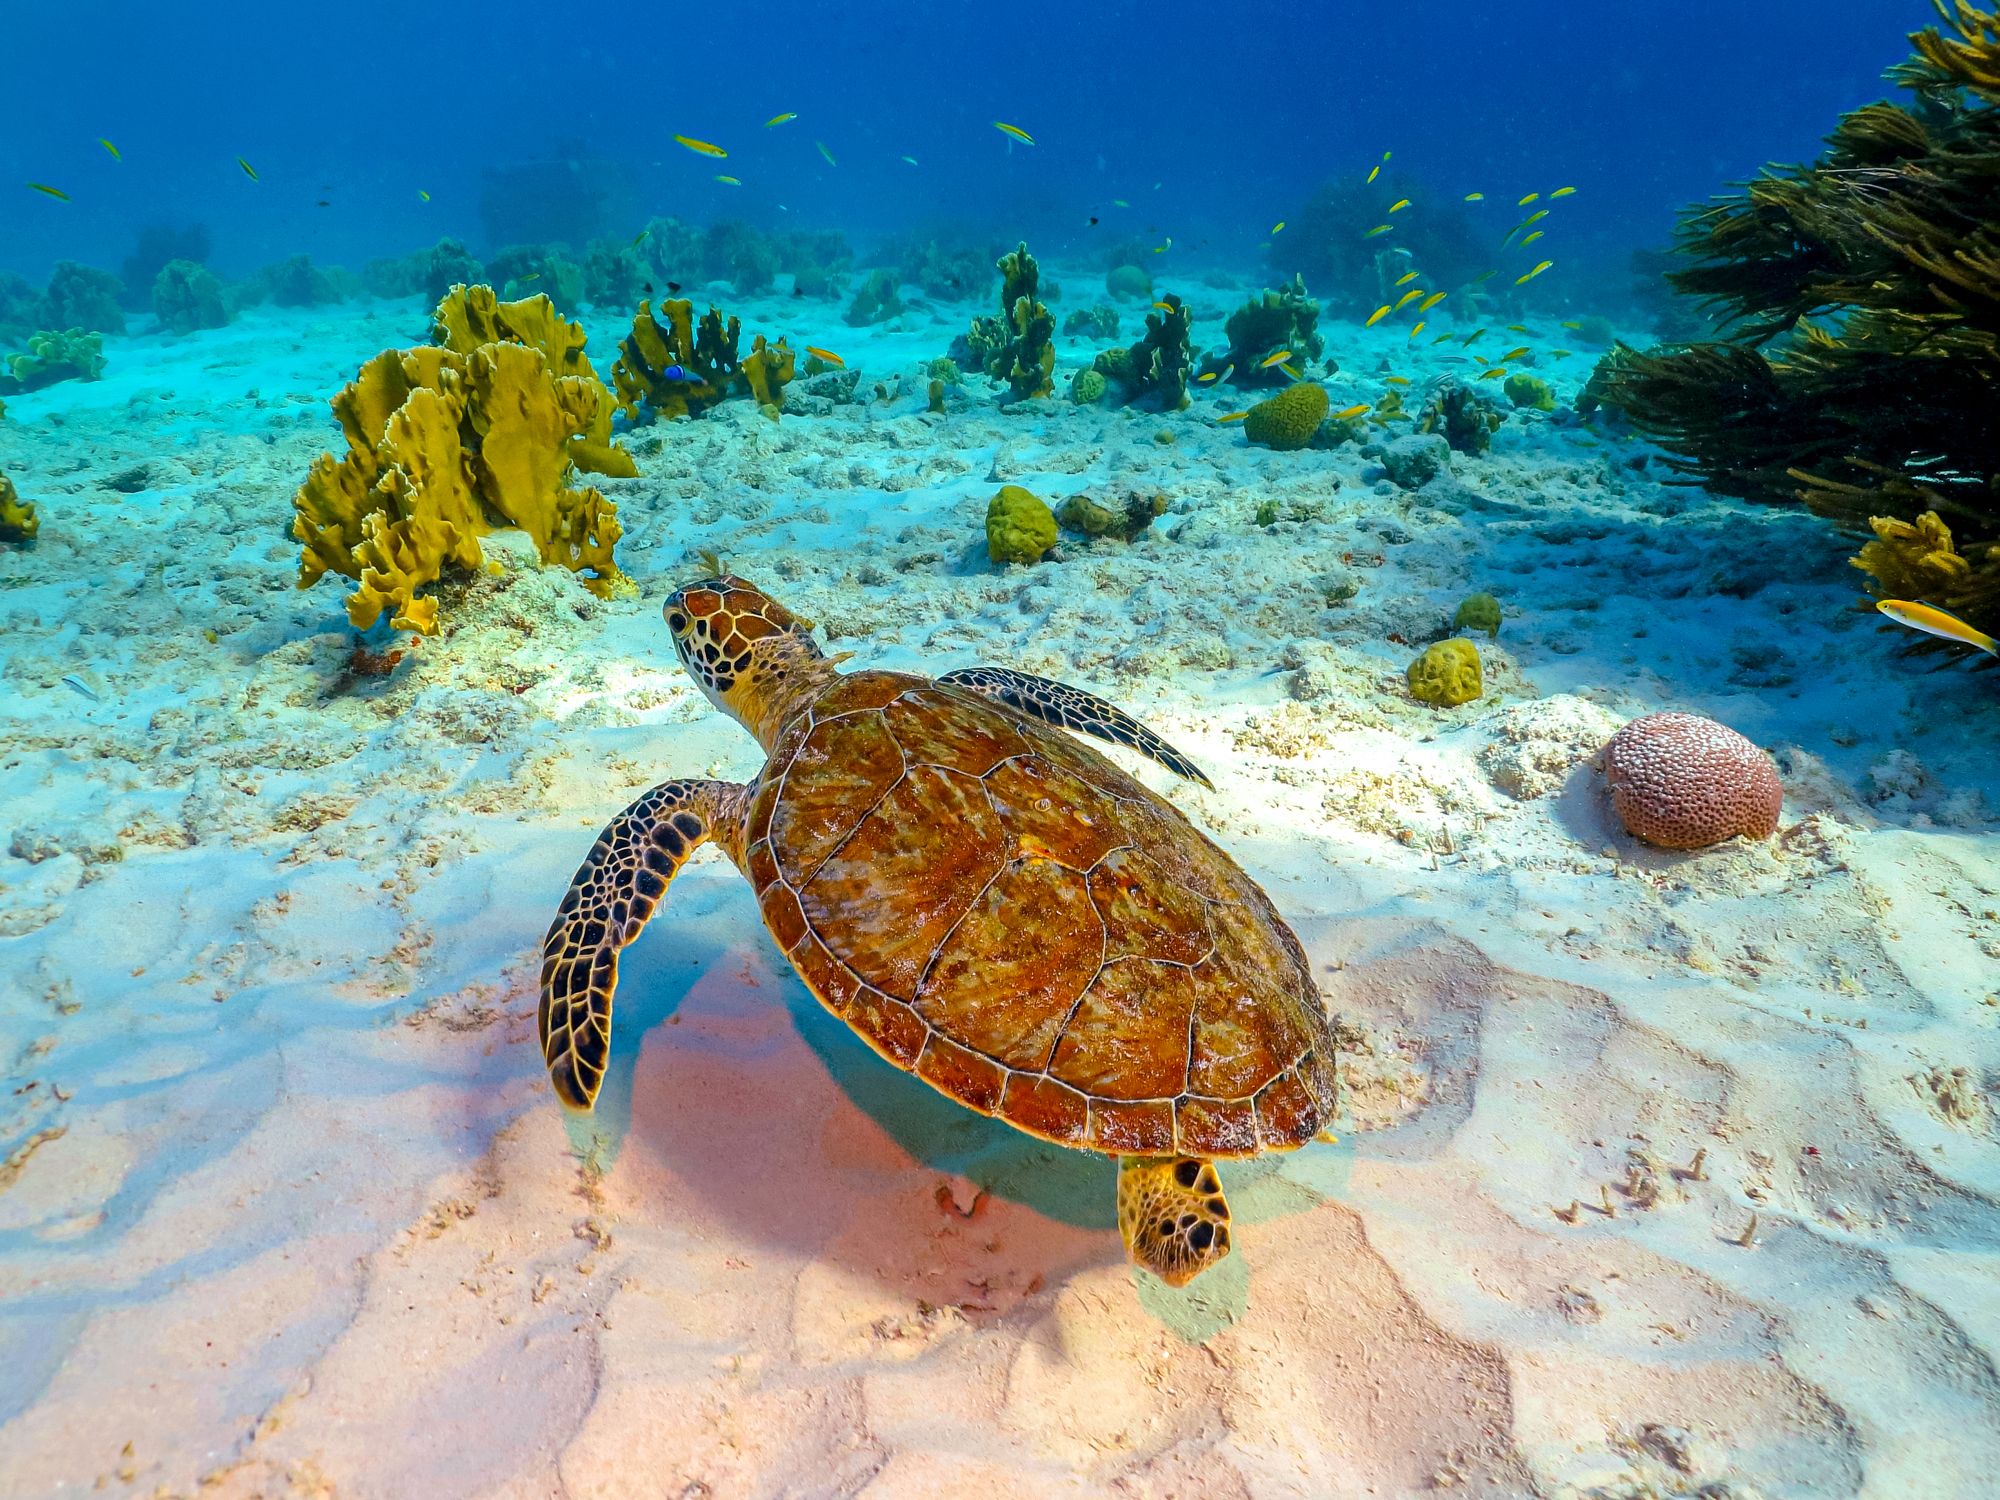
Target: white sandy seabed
point(287, 1207)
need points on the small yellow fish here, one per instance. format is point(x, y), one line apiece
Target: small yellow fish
point(777, 120)
point(1387, 154)
point(1119, 203)
point(1493, 374)
point(1277, 357)
point(531, 276)
point(1475, 334)
point(1279, 227)
point(248, 170)
point(1163, 249)
point(1406, 278)
point(1523, 203)
point(43, 187)
point(826, 354)
point(1529, 239)
point(1562, 192)
point(913, 161)
point(826, 153)
point(1530, 276)
point(1572, 323)
point(423, 195)
point(1540, 213)
point(1408, 297)
point(1232, 416)
point(116, 155)
point(1374, 172)
point(1936, 622)
point(1165, 307)
point(1443, 338)
point(1481, 360)
point(701, 148)
point(1350, 411)
point(1513, 354)
point(641, 235)
point(1395, 380)
point(1432, 301)
point(732, 181)
point(1418, 329)
point(1377, 316)
point(1015, 131)
point(1517, 328)
point(1561, 353)
point(1486, 275)
point(1378, 229)
point(1475, 197)
point(1399, 203)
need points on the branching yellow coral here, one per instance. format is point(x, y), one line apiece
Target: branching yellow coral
point(1916, 560)
point(678, 368)
point(18, 521)
point(443, 445)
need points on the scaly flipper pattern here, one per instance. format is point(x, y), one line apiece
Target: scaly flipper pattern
point(1172, 1214)
point(615, 890)
point(1072, 708)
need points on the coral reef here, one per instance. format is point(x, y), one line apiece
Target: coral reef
point(875, 302)
point(1099, 322)
point(671, 251)
point(1129, 284)
point(468, 318)
point(21, 307)
point(442, 446)
point(1017, 346)
point(950, 265)
point(1478, 612)
point(1087, 387)
point(1466, 419)
point(1681, 781)
point(187, 296)
point(18, 521)
point(1285, 318)
point(1155, 370)
point(1530, 391)
point(84, 297)
point(52, 355)
point(743, 256)
point(1861, 301)
point(1020, 527)
point(1447, 674)
point(681, 369)
point(614, 273)
point(1289, 419)
point(1917, 560)
point(156, 245)
point(1121, 513)
point(521, 271)
point(292, 282)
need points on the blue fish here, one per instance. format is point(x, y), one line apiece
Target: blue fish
point(676, 373)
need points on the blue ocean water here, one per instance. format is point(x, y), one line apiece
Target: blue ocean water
point(1212, 122)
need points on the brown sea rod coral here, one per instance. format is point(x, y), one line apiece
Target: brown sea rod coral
point(1684, 782)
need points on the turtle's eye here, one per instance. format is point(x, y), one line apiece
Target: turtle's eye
point(677, 622)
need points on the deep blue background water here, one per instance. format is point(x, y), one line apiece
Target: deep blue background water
point(1213, 121)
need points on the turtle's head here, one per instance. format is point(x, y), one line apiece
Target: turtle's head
point(753, 658)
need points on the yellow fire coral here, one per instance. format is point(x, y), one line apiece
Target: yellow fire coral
point(1289, 419)
point(1447, 674)
point(1020, 527)
point(18, 521)
point(1917, 560)
point(681, 369)
point(470, 317)
point(444, 445)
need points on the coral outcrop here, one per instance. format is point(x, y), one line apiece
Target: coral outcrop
point(444, 445)
point(1020, 527)
point(18, 521)
point(679, 368)
point(1447, 674)
point(1284, 318)
point(53, 355)
point(84, 297)
point(1684, 782)
point(1478, 612)
point(876, 301)
point(1018, 346)
point(1154, 372)
point(1861, 297)
point(187, 296)
point(1289, 419)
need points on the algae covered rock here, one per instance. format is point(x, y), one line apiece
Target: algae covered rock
point(187, 296)
point(54, 355)
point(1099, 322)
point(18, 521)
point(1020, 527)
point(876, 301)
point(1289, 419)
point(1128, 284)
point(1478, 612)
point(1447, 674)
point(1123, 515)
point(1416, 458)
point(81, 296)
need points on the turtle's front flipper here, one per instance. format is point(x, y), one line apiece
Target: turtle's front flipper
point(1072, 708)
point(1172, 1215)
point(615, 890)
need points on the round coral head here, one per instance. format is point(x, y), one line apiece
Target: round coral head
point(1684, 782)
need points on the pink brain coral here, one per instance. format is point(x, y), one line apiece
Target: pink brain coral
point(1685, 782)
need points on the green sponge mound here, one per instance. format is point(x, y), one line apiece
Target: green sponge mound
point(1447, 674)
point(1020, 527)
point(1289, 419)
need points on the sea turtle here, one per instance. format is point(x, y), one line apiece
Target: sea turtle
point(993, 905)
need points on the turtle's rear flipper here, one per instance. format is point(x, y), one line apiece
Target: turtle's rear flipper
point(1172, 1215)
point(1072, 708)
point(615, 890)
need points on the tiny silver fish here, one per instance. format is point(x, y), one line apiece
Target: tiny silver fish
point(82, 687)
